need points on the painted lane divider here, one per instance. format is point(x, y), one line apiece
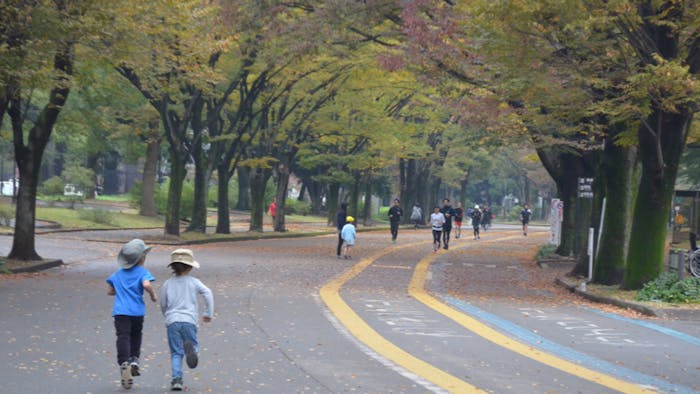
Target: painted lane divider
point(330, 294)
point(538, 341)
point(655, 327)
point(417, 290)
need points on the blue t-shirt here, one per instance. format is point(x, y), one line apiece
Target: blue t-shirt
point(128, 285)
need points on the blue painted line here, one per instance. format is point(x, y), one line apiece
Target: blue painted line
point(564, 352)
point(668, 331)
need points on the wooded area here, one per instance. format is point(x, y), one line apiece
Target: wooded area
point(381, 97)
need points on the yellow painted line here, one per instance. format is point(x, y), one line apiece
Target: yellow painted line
point(396, 267)
point(417, 290)
point(330, 294)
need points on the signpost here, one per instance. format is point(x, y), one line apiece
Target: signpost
point(556, 216)
point(585, 187)
point(584, 192)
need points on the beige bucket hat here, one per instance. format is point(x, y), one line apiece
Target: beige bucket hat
point(131, 253)
point(184, 256)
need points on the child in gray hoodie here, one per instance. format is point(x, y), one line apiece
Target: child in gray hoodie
point(178, 302)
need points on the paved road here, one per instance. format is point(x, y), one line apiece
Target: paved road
point(291, 318)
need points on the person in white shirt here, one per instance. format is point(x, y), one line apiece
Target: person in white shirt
point(437, 219)
point(178, 302)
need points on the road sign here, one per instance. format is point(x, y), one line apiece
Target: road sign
point(585, 187)
point(556, 216)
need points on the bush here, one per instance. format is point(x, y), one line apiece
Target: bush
point(296, 207)
point(546, 250)
point(7, 214)
point(96, 216)
point(668, 288)
point(52, 186)
point(514, 214)
point(161, 197)
point(213, 197)
point(83, 178)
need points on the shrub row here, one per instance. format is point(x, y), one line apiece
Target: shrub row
point(668, 288)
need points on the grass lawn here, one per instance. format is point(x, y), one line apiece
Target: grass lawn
point(114, 198)
point(79, 218)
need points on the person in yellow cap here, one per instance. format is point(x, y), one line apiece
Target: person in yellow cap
point(348, 234)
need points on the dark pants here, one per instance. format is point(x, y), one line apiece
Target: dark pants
point(340, 242)
point(129, 336)
point(436, 237)
point(476, 229)
point(394, 230)
point(446, 236)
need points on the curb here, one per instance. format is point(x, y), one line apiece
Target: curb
point(37, 267)
point(666, 313)
point(216, 240)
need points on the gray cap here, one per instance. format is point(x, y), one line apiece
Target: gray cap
point(131, 253)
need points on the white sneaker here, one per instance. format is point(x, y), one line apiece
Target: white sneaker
point(127, 379)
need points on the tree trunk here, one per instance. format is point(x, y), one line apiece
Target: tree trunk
point(567, 193)
point(660, 154)
point(410, 184)
point(281, 193)
point(416, 188)
point(93, 163)
point(463, 192)
point(333, 202)
point(28, 157)
point(258, 182)
point(302, 191)
point(620, 184)
point(177, 177)
point(223, 222)
point(315, 190)
point(565, 167)
point(201, 191)
point(354, 201)
point(367, 214)
point(23, 246)
point(148, 204)
point(243, 203)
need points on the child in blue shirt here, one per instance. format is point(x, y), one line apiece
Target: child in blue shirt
point(127, 286)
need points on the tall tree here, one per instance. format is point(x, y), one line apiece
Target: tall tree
point(175, 44)
point(667, 86)
point(38, 42)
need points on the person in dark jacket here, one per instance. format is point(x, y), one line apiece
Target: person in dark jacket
point(448, 212)
point(477, 217)
point(395, 214)
point(340, 221)
point(525, 215)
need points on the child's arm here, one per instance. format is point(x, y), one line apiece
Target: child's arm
point(149, 288)
point(209, 302)
point(111, 291)
point(163, 298)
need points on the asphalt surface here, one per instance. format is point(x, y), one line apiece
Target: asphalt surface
point(292, 318)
